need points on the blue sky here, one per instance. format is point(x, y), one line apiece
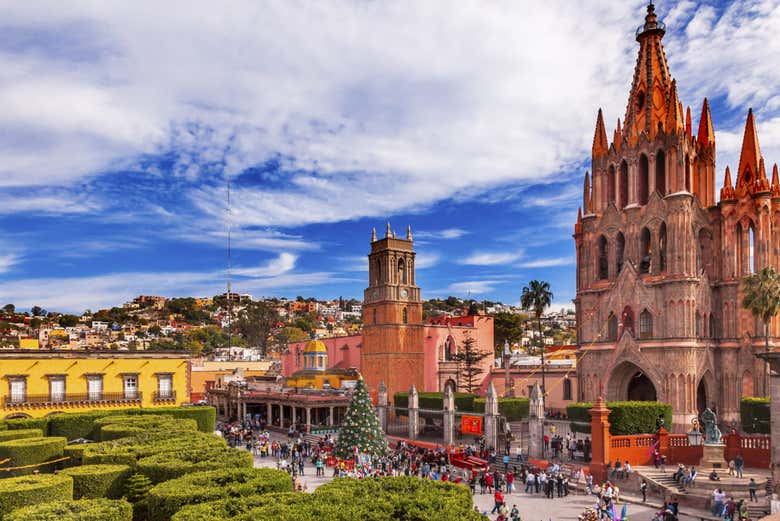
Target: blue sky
point(472, 121)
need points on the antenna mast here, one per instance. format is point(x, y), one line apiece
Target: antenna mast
point(229, 299)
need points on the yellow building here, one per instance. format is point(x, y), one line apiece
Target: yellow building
point(39, 383)
point(315, 373)
point(28, 343)
point(206, 373)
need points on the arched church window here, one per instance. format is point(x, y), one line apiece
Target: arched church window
point(644, 180)
point(751, 260)
point(713, 329)
point(623, 185)
point(662, 248)
point(611, 185)
point(627, 319)
point(699, 325)
point(612, 328)
point(401, 271)
point(375, 316)
point(449, 348)
point(645, 251)
point(740, 250)
point(566, 388)
point(687, 173)
point(378, 272)
point(705, 247)
point(660, 173)
point(620, 248)
point(603, 259)
point(405, 314)
point(645, 324)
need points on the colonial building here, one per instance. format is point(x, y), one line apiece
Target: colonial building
point(660, 260)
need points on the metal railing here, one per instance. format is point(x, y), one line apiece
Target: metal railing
point(164, 396)
point(59, 398)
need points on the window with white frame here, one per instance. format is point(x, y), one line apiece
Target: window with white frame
point(130, 386)
point(57, 388)
point(95, 387)
point(165, 386)
point(18, 389)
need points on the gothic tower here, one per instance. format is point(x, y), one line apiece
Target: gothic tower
point(659, 261)
point(392, 350)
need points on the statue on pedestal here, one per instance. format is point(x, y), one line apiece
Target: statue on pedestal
point(711, 431)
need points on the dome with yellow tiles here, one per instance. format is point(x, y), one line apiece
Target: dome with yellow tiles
point(315, 346)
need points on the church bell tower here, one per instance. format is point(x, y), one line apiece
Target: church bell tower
point(392, 350)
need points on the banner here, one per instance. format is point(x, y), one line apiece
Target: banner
point(471, 425)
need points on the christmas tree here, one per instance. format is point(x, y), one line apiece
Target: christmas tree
point(360, 428)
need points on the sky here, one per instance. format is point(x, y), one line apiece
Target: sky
point(122, 124)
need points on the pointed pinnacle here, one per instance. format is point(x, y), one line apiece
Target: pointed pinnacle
point(688, 123)
point(600, 145)
point(751, 151)
point(706, 133)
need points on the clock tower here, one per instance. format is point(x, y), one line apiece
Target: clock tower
point(392, 350)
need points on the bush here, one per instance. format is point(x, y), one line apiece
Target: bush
point(513, 409)
point(19, 434)
point(206, 416)
point(755, 415)
point(463, 401)
point(169, 497)
point(98, 481)
point(76, 425)
point(625, 418)
point(128, 451)
point(29, 423)
point(232, 507)
point(389, 498)
point(81, 510)
point(115, 427)
point(170, 465)
point(32, 490)
point(31, 451)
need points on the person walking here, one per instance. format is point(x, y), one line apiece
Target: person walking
point(753, 488)
point(739, 462)
point(498, 498)
point(643, 490)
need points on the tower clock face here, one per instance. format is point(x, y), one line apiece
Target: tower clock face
point(404, 293)
point(376, 294)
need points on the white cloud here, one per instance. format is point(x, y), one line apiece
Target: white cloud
point(472, 287)
point(491, 258)
point(426, 259)
point(448, 233)
point(282, 264)
point(8, 261)
point(548, 263)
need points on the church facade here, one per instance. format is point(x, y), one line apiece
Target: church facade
point(660, 260)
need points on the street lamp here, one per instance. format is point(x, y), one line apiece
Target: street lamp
point(507, 359)
point(694, 435)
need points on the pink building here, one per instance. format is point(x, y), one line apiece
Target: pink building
point(443, 337)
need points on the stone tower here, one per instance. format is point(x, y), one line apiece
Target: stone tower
point(392, 350)
point(659, 261)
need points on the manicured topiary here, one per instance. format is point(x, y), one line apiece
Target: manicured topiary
point(128, 451)
point(33, 490)
point(435, 401)
point(96, 481)
point(233, 508)
point(206, 416)
point(76, 425)
point(625, 418)
point(170, 465)
point(169, 497)
point(78, 510)
point(19, 434)
point(513, 409)
point(115, 427)
point(29, 423)
point(31, 451)
point(755, 415)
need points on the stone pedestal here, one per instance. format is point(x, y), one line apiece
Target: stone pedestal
point(536, 423)
point(712, 456)
point(448, 415)
point(491, 417)
point(414, 413)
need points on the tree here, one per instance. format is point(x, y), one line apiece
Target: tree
point(360, 428)
point(536, 298)
point(9, 308)
point(37, 311)
point(507, 327)
point(288, 334)
point(468, 358)
point(762, 297)
point(155, 330)
point(255, 322)
point(68, 320)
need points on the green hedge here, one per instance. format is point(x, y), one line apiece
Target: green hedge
point(169, 497)
point(383, 499)
point(513, 409)
point(33, 490)
point(625, 418)
point(80, 510)
point(115, 427)
point(170, 465)
point(19, 434)
point(98, 481)
point(755, 415)
point(205, 415)
point(128, 451)
point(76, 425)
point(30, 451)
point(29, 423)
point(233, 507)
point(463, 401)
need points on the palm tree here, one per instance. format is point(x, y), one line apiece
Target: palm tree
point(536, 298)
point(762, 297)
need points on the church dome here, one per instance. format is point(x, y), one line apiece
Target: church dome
point(315, 346)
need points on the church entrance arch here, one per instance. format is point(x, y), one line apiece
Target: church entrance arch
point(704, 393)
point(629, 382)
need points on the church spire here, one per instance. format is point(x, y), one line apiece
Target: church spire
point(750, 157)
point(617, 138)
point(373, 234)
point(674, 116)
point(586, 194)
point(775, 182)
point(706, 134)
point(727, 192)
point(688, 123)
point(409, 232)
point(600, 146)
point(388, 232)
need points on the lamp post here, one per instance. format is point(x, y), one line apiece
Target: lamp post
point(507, 359)
point(694, 435)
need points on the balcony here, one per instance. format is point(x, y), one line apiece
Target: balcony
point(164, 396)
point(48, 400)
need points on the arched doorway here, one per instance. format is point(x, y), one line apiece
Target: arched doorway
point(629, 382)
point(701, 396)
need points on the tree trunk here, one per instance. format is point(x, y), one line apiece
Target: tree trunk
point(541, 347)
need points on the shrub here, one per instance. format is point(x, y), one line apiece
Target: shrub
point(170, 465)
point(128, 450)
point(98, 481)
point(19, 434)
point(76, 425)
point(463, 401)
point(206, 416)
point(3, 426)
point(513, 409)
point(31, 451)
point(169, 497)
point(81, 510)
point(625, 418)
point(32, 490)
point(29, 423)
point(138, 426)
point(755, 415)
point(232, 507)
